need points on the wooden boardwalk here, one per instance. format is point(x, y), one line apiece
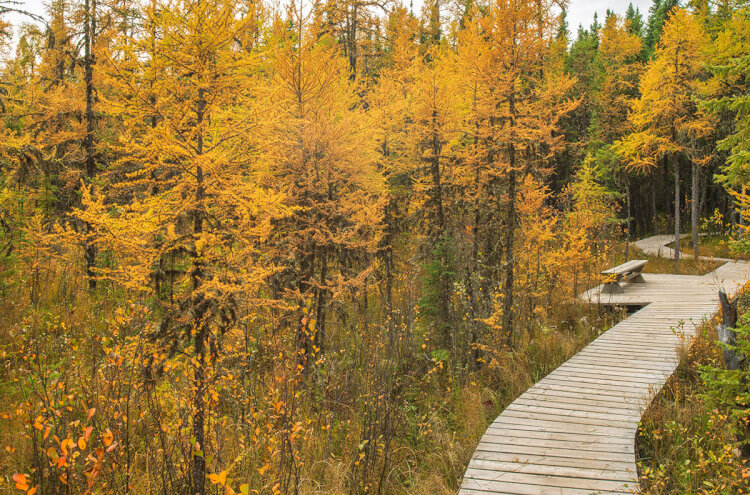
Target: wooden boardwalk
point(574, 431)
point(657, 246)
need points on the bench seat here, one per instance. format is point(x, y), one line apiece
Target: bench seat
point(629, 271)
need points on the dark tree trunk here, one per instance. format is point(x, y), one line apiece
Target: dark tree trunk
point(352, 41)
point(388, 263)
point(725, 205)
point(510, 233)
point(653, 207)
point(694, 205)
point(89, 31)
point(705, 181)
point(627, 221)
point(676, 164)
point(199, 413)
point(199, 309)
point(471, 283)
point(509, 253)
point(439, 236)
point(668, 200)
point(437, 187)
point(320, 333)
point(473, 276)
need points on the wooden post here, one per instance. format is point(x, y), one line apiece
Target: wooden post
point(726, 332)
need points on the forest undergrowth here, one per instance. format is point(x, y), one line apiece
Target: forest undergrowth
point(691, 439)
point(71, 387)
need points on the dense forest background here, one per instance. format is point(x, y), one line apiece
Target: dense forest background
point(316, 247)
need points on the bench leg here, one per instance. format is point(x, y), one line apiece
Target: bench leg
point(612, 288)
point(638, 279)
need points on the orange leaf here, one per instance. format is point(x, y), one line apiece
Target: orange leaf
point(22, 482)
point(218, 479)
point(107, 438)
point(65, 444)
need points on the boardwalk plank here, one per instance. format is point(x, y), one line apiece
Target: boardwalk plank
point(570, 462)
point(543, 469)
point(546, 480)
point(552, 435)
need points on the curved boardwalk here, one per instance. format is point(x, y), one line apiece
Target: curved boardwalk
point(657, 246)
point(574, 431)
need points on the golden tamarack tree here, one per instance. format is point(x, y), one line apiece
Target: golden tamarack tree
point(667, 120)
point(321, 155)
point(727, 97)
point(619, 51)
point(189, 229)
point(54, 102)
point(517, 101)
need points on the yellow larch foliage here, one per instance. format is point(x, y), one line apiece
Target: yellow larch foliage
point(619, 51)
point(666, 117)
point(187, 216)
point(320, 152)
point(518, 97)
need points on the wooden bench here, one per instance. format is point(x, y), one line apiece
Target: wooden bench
point(629, 271)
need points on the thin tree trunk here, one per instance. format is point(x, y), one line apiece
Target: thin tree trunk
point(667, 199)
point(628, 222)
point(199, 413)
point(439, 240)
point(388, 262)
point(320, 333)
point(199, 305)
point(436, 180)
point(509, 253)
point(694, 209)
point(725, 208)
point(88, 141)
point(473, 276)
point(353, 39)
point(510, 233)
point(676, 164)
point(473, 288)
point(653, 206)
point(704, 194)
